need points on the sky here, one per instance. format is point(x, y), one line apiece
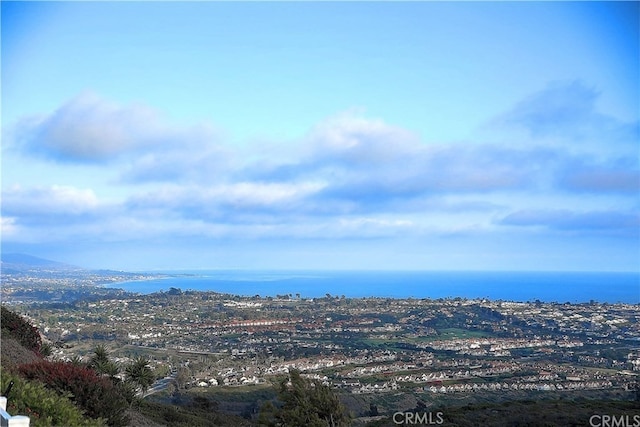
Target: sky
point(322, 135)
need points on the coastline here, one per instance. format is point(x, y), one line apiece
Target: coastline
point(508, 286)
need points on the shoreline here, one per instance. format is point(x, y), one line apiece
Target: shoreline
point(574, 288)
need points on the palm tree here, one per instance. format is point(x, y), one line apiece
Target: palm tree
point(108, 368)
point(76, 360)
point(139, 373)
point(101, 364)
point(100, 355)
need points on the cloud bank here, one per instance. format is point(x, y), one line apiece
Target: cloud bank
point(348, 177)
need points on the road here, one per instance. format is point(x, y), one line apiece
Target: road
point(160, 384)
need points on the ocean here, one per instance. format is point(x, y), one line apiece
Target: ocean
point(573, 287)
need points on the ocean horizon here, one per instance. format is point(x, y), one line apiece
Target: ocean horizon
point(573, 287)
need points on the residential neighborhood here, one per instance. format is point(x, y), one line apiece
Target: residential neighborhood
point(362, 345)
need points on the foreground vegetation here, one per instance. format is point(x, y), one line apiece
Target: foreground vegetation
point(45, 407)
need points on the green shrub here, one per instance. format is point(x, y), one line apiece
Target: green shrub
point(305, 403)
point(43, 406)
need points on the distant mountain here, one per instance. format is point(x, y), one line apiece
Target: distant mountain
point(22, 262)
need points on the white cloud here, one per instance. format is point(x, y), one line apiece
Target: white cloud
point(9, 227)
point(355, 139)
point(89, 128)
point(349, 177)
point(48, 200)
point(238, 202)
point(572, 220)
point(374, 227)
point(262, 194)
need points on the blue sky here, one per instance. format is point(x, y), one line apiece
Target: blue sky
point(322, 135)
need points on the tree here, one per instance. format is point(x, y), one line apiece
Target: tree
point(306, 403)
point(182, 377)
point(139, 373)
point(46, 349)
point(171, 388)
point(101, 363)
point(373, 410)
point(100, 355)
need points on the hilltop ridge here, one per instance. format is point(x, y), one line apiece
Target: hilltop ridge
point(18, 262)
point(29, 278)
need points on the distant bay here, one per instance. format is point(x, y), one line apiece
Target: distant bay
point(574, 287)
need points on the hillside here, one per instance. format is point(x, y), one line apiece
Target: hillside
point(12, 353)
point(19, 263)
point(45, 390)
point(20, 345)
point(29, 279)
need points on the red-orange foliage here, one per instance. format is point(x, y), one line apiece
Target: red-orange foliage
point(97, 395)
